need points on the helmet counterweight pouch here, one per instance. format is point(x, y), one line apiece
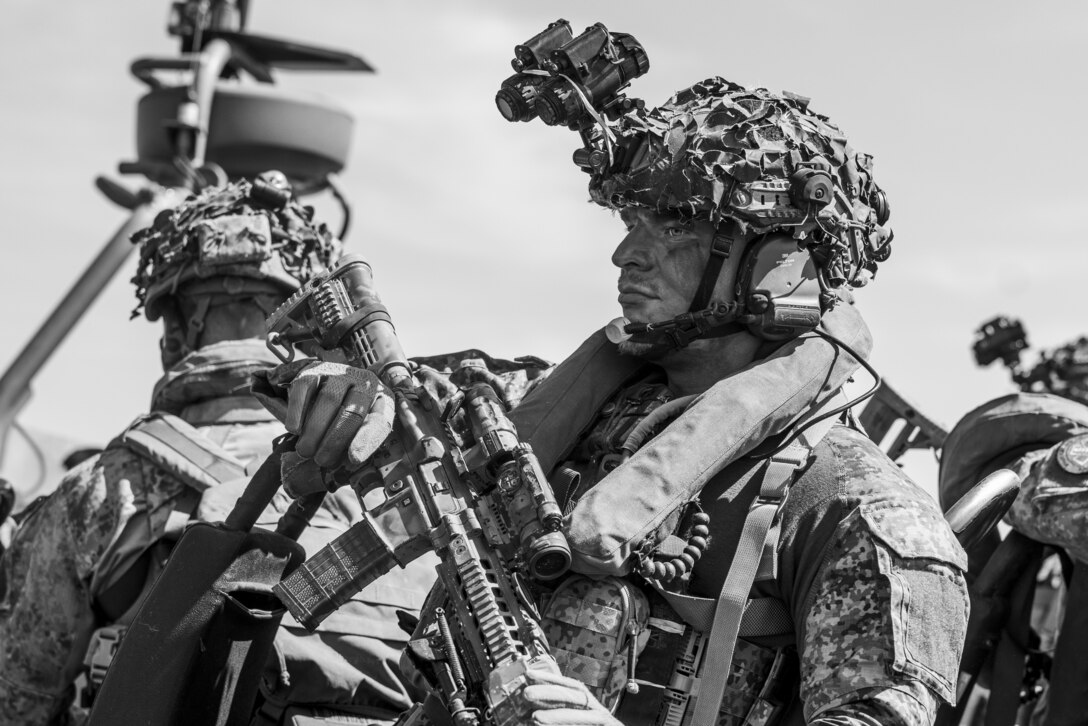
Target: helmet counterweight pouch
point(779, 287)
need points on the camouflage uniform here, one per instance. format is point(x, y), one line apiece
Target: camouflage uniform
point(108, 513)
point(62, 555)
point(871, 574)
point(1053, 497)
point(1052, 507)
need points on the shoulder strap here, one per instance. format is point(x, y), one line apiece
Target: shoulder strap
point(734, 614)
point(729, 610)
point(178, 447)
point(195, 461)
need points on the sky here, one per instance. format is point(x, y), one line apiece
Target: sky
point(480, 232)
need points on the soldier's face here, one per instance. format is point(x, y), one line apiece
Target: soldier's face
point(661, 261)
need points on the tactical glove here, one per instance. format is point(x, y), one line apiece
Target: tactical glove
point(556, 700)
point(340, 414)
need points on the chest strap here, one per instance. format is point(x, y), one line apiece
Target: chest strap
point(730, 607)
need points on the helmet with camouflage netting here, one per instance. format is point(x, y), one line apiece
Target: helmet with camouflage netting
point(227, 238)
point(1062, 371)
point(1068, 370)
point(758, 160)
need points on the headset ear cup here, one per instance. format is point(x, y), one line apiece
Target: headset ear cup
point(778, 288)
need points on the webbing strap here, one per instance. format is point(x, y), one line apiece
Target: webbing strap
point(721, 246)
point(738, 582)
point(763, 617)
point(196, 459)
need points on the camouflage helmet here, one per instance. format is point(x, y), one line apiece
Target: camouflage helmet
point(1063, 371)
point(250, 230)
point(764, 161)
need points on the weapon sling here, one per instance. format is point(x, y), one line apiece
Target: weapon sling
point(203, 635)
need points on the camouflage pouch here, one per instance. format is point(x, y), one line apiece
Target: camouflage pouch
point(232, 240)
point(595, 628)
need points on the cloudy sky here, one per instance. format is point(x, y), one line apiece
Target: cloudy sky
point(479, 230)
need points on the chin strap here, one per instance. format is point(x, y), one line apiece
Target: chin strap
point(718, 320)
point(720, 249)
point(703, 319)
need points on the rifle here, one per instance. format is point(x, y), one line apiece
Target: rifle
point(486, 509)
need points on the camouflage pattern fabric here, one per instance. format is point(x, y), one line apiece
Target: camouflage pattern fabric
point(56, 560)
point(865, 622)
point(719, 151)
point(47, 618)
point(1062, 371)
point(589, 625)
point(512, 380)
point(869, 570)
point(237, 230)
point(1053, 503)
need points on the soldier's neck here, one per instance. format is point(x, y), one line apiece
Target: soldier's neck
point(703, 363)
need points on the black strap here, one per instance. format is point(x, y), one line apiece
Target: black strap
point(720, 249)
point(1009, 665)
point(1069, 672)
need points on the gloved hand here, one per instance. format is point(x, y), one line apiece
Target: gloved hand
point(340, 414)
point(561, 701)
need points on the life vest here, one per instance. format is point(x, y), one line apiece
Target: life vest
point(609, 530)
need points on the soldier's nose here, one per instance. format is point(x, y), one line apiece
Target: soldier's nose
point(633, 250)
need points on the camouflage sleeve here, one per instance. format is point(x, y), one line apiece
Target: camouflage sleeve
point(46, 618)
point(1053, 503)
point(884, 620)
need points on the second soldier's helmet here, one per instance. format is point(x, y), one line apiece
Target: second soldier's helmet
point(1070, 364)
point(764, 161)
point(1062, 371)
point(243, 231)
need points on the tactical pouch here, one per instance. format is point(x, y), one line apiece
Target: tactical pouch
point(602, 625)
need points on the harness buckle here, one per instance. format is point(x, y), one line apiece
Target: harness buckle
point(100, 653)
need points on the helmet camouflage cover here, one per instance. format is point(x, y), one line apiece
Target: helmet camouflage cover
point(1064, 370)
point(721, 152)
point(243, 229)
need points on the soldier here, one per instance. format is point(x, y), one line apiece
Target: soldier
point(673, 450)
point(80, 563)
point(1033, 664)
